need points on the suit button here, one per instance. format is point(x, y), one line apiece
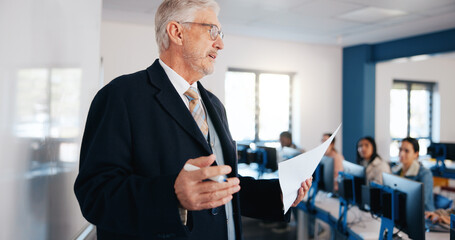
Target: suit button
point(215, 211)
point(165, 235)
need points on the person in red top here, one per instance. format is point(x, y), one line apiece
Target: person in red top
point(337, 159)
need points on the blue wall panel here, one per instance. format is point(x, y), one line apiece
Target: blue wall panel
point(425, 44)
point(358, 96)
point(359, 63)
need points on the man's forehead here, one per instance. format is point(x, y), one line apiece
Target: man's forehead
point(207, 16)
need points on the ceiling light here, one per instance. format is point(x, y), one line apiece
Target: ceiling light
point(400, 60)
point(420, 57)
point(371, 14)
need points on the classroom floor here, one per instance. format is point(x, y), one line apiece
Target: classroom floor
point(254, 229)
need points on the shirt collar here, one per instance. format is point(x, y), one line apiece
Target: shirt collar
point(413, 170)
point(179, 83)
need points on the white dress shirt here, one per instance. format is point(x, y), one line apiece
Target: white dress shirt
point(179, 83)
point(181, 86)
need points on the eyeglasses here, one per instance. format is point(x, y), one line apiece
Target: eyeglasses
point(214, 30)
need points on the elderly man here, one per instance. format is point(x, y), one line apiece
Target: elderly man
point(143, 128)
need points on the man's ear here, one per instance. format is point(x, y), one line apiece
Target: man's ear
point(175, 32)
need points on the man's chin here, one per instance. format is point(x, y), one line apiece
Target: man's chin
point(207, 70)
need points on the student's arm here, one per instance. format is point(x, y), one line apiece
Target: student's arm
point(337, 167)
point(427, 180)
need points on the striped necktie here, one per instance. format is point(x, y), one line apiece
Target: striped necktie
point(197, 110)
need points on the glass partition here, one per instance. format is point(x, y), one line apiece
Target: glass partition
point(49, 73)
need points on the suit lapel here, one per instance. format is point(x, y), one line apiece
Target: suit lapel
point(221, 130)
point(171, 102)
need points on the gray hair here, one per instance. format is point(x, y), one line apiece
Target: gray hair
point(179, 11)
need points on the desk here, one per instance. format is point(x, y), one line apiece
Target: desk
point(358, 221)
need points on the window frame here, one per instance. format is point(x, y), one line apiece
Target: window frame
point(431, 87)
point(257, 112)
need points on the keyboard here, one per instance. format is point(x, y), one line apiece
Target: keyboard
point(436, 227)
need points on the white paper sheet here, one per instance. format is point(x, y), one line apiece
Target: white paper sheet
point(293, 172)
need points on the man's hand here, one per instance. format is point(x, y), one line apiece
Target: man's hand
point(304, 188)
point(196, 194)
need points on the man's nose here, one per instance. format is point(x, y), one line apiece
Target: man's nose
point(218, 44)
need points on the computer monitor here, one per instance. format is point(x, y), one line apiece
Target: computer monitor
point(242, 153)
point(351, 189)
point(353, 169)
point(414, 222)
point(271, 157)
point(450, 151)
point(435, 151)
point(326, 174)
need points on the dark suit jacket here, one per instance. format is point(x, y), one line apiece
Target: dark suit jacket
point(137, 138)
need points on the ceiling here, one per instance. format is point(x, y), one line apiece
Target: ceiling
point(333, 22)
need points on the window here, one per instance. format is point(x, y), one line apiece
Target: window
point(47, 114)
point(411, 114)
point(258, 104)
point(47, 103)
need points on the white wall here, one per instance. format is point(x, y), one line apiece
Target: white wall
point(37, 199)
point(128, 48)
point(438, 70)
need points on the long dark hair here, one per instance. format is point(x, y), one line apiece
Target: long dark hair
point(373, 143)
point(413, 142)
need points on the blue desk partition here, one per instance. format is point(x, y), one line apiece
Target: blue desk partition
point(338, 224)
point(344, 203)
point(387, 223)
point(452, 227)
point(263, 165)
point(439, 152)
point(329, 219)
point(314, 187)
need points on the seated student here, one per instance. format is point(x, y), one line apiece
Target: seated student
point(288, 148)
point(368, 157)
point(337, 159)
point(286, 141)
point(411, 168)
